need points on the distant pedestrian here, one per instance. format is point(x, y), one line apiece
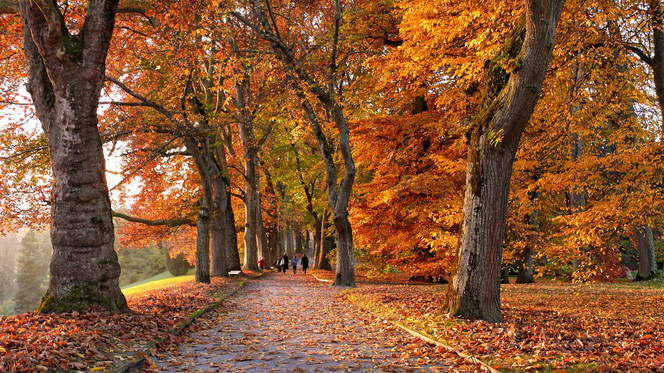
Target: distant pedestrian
point(294, 264)
point(261, 265)
point(284, 263)
point(305, 263)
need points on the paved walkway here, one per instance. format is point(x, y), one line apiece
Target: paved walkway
point(293, 323)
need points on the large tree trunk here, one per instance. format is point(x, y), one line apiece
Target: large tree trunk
point(508, 101)
point(65, 77)
point(200, 153)
point(642, 240)
point(224, 240)
point(203, 247)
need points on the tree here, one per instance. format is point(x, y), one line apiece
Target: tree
point(65, 77)
point(31, 272)
point(8, 251)
point(508, 99)
point(327, 92)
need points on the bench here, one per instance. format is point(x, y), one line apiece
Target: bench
point(234, 273)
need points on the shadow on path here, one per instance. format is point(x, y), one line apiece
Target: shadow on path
point(293, 323)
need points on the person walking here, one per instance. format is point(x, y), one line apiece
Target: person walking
point(305, 263)
point(261, 264)
point(284, 263)
point(294, 264)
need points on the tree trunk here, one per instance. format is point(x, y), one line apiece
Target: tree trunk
point(526, 270)
point(508, 101)
point(643, 241)
point(261, 234)
point(305, 244)
point(65, 78)
point(322, 262)
point(317, 240)
point(203, 247)
point(290, 242)
point(655, 8)
point(526, 273)
point(200, 153)
point(224, 240)
point(298, 239)
point(505, 275)
point(245, 123)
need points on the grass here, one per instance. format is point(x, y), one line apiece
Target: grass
point(157, 282)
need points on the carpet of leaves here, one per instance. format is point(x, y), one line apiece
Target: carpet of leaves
point(549, 326)
point(93, 340)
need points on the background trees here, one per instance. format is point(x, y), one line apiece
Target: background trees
point(228, 117)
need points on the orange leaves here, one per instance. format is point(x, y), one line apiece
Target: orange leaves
point(548, 325)
point(91, 340)
point(408, 195)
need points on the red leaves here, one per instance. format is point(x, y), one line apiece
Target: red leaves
point(33, 343)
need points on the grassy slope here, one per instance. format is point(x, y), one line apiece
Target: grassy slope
point(160, 281)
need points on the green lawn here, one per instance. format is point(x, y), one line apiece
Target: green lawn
point(160, 281)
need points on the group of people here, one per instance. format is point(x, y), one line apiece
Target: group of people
point(282, 266)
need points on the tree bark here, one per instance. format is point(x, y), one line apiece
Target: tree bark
point(261, 234)
point(657, 21)
point(317, 240)
point(203, 247)
point(505, 275)
point(65, 78)
point(643, 242)
point(222, 235)
point(322, 262)
point(508, 101)
point(526, 270)
point(290, 242)
point(298, 239)
point(202, 161)
point(245, 122)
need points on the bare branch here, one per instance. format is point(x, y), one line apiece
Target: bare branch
point(120, 103)
point(154, 223)
point(162, 110)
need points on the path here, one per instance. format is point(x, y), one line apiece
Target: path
point(293, 323)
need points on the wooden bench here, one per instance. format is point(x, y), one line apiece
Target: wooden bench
point(234, 273)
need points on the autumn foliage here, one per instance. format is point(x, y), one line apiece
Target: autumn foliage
point(97, 338)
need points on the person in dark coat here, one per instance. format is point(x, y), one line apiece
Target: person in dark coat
point(284, 265)
point(305, 263)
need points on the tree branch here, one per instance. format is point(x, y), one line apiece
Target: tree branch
point(162, 110)
point(154, 223)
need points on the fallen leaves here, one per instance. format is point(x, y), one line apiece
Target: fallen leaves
point(92, 340)
point(549, 326)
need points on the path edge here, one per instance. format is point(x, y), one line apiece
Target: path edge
point(178, 329)
point(469, 358)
